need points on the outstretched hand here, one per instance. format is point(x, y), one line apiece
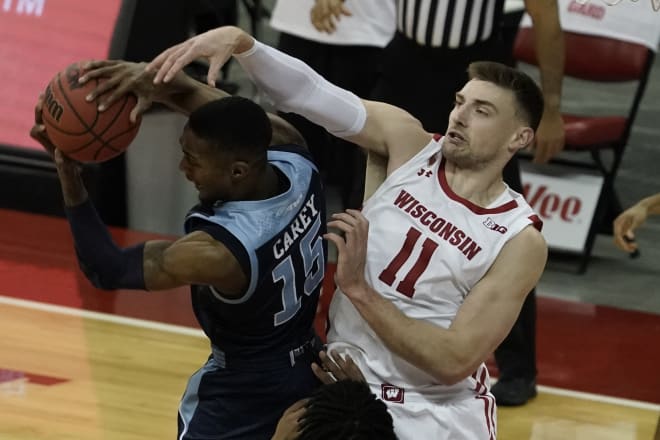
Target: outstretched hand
point(625, 225)
point(216, 46)
point(326, 14)
point(121, 77)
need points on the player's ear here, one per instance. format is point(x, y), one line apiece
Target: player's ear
point(239, 169)
point(522, 139)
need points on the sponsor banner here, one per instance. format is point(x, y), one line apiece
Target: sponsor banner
point(630, 20)
point(565, 199)
point(38, 38)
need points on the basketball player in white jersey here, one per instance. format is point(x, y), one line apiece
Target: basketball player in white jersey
point(432, 273)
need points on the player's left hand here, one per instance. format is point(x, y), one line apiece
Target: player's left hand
point(288, 428)
point(351, 251)
point(122, 77)
point(335, 368)
point(549, 137)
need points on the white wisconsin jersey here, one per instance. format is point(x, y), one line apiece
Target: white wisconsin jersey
point(427, 248)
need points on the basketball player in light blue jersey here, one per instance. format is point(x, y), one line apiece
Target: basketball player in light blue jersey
point(253, 253)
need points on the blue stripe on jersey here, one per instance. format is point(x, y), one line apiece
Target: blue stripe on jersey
point(254, 223)
point(190, 399)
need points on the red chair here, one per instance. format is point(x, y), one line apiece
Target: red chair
point(602, 60)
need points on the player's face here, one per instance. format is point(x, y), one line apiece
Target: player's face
point(205, 168)
point(481, 125)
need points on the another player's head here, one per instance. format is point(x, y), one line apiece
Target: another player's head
point(224, 148)
point(495, 114)
point(346, 410)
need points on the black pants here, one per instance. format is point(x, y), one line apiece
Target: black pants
point(353, 68)
point(424, 82)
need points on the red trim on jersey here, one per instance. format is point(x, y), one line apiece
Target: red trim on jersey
point(477, 385)
point(479, 377)
point(489, 412)
point(536, 221)
point(442, 178)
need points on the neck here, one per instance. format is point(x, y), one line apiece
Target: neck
point(479, 186)
point(269, 185)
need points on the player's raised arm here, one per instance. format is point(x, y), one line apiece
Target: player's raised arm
point(295, 87)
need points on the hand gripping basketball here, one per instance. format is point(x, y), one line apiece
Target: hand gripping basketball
point(77, 128)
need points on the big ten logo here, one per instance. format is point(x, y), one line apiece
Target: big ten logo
point(27, 7)
point(548, 204)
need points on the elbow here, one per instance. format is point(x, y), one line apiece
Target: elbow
point(97, 279)
point(101, 279)
point(451, 376)
point(453, 369)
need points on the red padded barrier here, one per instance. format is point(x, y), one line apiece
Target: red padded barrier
point(590, 57)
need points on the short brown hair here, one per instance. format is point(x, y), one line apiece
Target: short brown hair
point(529, 98)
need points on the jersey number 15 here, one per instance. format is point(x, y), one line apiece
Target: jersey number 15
point(312, 255)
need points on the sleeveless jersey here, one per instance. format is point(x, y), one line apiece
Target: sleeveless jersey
point(279, 244)
point(427, 248)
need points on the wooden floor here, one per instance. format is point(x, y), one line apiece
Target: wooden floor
point(72, 374)
point(119, 382)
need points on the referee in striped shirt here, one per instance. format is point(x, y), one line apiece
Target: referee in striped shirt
point(424, 66)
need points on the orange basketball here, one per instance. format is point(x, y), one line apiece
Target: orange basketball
point(77, 128)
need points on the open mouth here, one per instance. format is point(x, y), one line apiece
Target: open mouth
point(454, 135)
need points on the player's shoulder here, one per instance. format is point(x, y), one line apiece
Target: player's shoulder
point(284, 132)
point(392, 132)
point(290, 152)
point(530, 241)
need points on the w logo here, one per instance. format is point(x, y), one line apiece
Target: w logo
point(390, 393)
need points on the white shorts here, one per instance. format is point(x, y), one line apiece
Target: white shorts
point(467, 419)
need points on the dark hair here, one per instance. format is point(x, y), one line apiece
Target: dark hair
point(233, 124)
point(527, 93)
point(346, 410)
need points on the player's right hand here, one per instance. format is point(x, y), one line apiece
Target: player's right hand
point(625, 225)
point(122, 77)
point(68, 169)
point(326, 13)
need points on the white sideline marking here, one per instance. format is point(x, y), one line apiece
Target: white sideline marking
point(107, 317)
point(189, 331)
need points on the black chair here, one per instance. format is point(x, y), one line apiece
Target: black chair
point(601, 140)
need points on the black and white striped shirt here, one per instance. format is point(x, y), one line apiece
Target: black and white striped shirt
point(448, 23)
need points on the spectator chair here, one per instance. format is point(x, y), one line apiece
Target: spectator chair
point(596, 142)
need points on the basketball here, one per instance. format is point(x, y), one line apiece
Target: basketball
point(77, 128)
